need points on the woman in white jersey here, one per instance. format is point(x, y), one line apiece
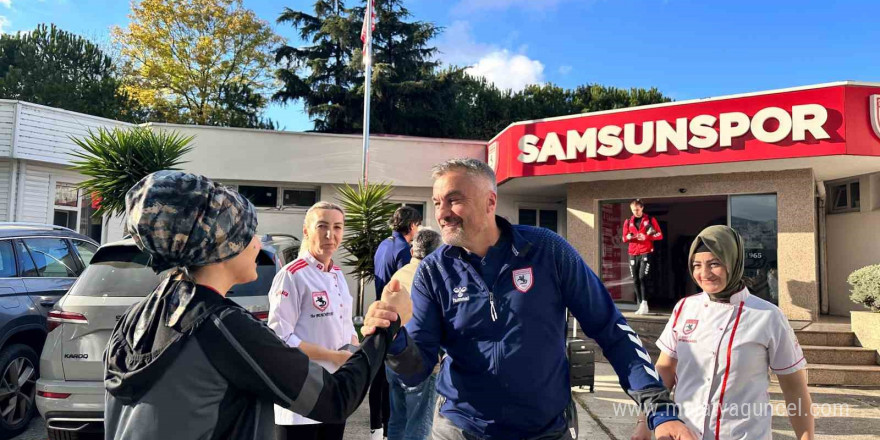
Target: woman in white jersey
point(310, 308)
point(720, 346)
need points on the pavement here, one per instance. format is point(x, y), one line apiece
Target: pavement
point(841, 414)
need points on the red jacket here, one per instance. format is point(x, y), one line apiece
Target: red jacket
point(646, 225)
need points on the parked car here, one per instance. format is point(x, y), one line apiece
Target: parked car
point(38, 263)
point(70, 392)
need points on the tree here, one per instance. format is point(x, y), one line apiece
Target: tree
point(204, 62)
point(52, 67)
point(327, 75)
point(368, 212)
point(321, 75)
point(115, 160)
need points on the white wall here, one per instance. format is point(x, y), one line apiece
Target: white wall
point(232, 154)
point(7, 124)
point(5, 188)
point(852, 243)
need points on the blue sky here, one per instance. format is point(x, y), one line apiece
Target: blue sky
point(688, 49)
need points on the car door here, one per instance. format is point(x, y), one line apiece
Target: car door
point(85, 251)
point(11, 286)
point(50, 268)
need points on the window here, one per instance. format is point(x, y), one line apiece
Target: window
point(52, 257)
point(66, 205)
point(7, 260)
point(844, 197)
point(90, 224)
point(28, 269)
point(260, 196)
point(304, 198)
point(415, 205)
point(86, 251)
point(544, 218)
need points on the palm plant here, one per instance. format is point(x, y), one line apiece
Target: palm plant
point(368, 212)
point(117, 159)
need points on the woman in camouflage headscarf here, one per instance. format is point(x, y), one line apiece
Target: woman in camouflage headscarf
point(186, 362)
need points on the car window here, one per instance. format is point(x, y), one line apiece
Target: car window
point(52, 257)
point(28, 269)
point(7, 259)
point(86, 251)
point(117, 271)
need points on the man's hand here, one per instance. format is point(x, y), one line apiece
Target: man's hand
point(673, 430)
point(641, 432)
point(398, 297)
point(380, 314)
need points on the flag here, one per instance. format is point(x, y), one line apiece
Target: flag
point(369, 17)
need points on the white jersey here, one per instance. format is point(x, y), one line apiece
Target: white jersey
point(725, 353)
point(309, 304)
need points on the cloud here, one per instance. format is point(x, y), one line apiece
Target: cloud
point(564, 70)
point(468, 6)
point(7, 3)
point(4, 24)
point(508, 70)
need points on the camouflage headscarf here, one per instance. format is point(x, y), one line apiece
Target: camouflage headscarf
point(186, 220)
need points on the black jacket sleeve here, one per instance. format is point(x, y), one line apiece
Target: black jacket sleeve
point(252, 358)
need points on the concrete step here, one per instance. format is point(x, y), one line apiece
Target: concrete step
point(826, 338)
point(844, 375)
point(817, 354)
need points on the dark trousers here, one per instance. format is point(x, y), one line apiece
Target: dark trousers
point(320, 431)
point(640, 268)
point(380, 404)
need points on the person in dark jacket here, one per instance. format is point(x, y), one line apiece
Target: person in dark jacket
point(188, 363)
point(494, 297)
point(391, 255)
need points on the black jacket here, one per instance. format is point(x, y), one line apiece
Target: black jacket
point(210, 370)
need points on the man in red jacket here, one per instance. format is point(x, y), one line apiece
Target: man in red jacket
point(641, 231)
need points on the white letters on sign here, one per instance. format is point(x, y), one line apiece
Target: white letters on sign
point(769, 125)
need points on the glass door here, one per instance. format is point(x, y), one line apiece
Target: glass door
point(755, 218)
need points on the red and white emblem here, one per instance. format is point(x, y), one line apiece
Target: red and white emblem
point(690, 325)
point(492, 156)
point(874, 104)
point(320, 300)
point(522, 279)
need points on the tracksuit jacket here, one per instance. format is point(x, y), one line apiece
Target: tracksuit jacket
point(506, 375)
point(645, 225)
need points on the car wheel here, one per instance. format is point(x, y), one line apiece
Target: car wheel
point(19, 370)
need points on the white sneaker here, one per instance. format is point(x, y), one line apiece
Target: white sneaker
point(639, 310)
point(644, 308)
point(376, 434)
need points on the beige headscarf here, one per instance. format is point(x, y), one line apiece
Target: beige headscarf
point(727, 245)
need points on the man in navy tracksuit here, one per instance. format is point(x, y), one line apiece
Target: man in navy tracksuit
point(494, 297)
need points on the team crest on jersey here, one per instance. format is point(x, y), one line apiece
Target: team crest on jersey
point(690, 325)
point(320, 300)
point(523, 279)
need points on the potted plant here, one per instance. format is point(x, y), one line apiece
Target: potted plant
point(368, 212)
point(865, 284)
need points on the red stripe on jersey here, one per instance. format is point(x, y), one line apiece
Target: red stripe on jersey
point(678, 312)
point(727, 372)
point(336, 268)
point(297, 265)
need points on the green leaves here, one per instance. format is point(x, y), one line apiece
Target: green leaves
point(368, 212)
point(119, 158)
point(865, 284)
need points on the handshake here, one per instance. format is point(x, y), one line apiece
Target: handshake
point(395, 303)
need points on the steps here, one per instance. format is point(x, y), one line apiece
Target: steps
point(833, 354)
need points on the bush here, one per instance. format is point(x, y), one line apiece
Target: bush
point(865, 284)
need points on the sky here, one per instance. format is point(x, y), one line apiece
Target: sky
point(687, 49)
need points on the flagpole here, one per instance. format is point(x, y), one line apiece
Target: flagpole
point(368, 78)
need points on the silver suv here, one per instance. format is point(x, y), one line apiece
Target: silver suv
point(70, 391)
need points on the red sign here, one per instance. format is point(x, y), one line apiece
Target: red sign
point(805, 122)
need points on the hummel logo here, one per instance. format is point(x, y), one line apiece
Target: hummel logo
point(460, 290)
